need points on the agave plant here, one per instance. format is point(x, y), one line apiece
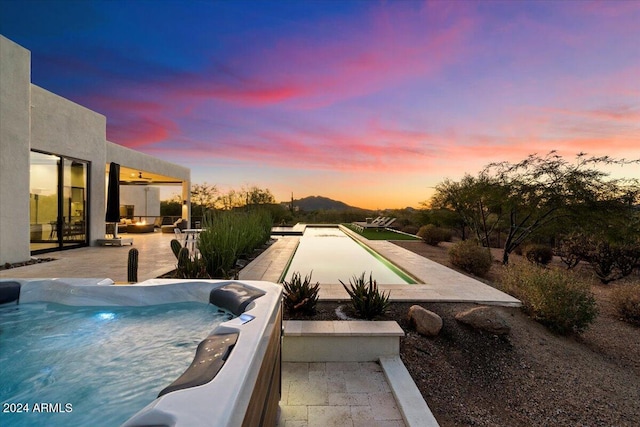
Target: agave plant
point(300, 295)
point(366, 299)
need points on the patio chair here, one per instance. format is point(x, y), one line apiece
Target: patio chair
point(385, 222)
point(360, 225)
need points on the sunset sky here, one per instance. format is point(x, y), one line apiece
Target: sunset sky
point(369, 102)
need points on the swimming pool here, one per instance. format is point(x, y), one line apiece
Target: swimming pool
point(331, 255)
point(156, 326)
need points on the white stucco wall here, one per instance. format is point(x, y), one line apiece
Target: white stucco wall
point(141, 197)
point(15, 81)
point(32, 118)
point(65, 128)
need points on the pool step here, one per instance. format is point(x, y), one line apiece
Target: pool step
point(340, 340)
point(359, 341)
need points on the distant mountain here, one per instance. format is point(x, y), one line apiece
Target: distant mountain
point(314, 203)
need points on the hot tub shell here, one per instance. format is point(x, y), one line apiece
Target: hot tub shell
point(246, 390)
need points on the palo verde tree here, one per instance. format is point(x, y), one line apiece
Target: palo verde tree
point(527, 196)
point(541, 190)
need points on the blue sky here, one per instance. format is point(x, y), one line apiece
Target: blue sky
point(369, 102)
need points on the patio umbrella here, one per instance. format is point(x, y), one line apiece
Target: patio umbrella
point(113, 197)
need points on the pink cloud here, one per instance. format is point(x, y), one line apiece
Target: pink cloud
point(141, 131)
point(389, 49)
point(314, 70)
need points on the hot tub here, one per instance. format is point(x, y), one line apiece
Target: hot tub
point(234, 378)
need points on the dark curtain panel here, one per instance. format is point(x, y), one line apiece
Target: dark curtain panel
point(113, 194)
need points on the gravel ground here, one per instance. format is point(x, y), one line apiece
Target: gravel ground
point(529, 378)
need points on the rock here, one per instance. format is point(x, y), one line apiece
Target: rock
point(485, 319)
point(426, 322)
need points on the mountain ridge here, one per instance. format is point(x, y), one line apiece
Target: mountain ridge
point(313, 203)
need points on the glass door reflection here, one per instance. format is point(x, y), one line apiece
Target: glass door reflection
point(74, 202)
point(58, 202)
point(43, 201)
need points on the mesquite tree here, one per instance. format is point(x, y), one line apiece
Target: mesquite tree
point(526, 196)
point(477, 201)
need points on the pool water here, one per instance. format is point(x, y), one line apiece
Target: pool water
point(93, 365)
point(331, 255)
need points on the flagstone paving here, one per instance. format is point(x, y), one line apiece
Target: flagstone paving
point(155, 259)
point(340, 394)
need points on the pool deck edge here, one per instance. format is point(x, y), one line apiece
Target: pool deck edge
point(436, 282)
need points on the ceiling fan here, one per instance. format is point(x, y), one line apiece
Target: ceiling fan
point(138, 179)
point(144, 178)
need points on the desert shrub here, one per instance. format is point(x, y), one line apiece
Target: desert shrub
point(300, 295)
point(538, 254)
point(626, 300)
point(555, 298)
point(471, 257)
point(410, 229)
point(432, 235)
point(366, 299)
point(612, 261)
point(571, 249)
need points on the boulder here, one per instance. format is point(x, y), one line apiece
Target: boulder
point(426, 322)
point(484, 319)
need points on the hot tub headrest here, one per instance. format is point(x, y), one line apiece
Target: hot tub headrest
point(210, 356)
point(9, 292)
point(234, 297)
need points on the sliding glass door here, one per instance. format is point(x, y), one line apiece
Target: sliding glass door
point(58, 202)
point(74, 202)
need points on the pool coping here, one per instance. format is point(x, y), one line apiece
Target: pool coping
point(436, 282)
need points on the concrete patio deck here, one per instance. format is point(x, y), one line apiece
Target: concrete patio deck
point(155, 259)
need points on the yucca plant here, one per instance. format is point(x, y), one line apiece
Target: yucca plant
point(366, 299)
point(300, 295)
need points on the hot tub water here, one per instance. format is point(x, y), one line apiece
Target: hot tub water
point(63, 366)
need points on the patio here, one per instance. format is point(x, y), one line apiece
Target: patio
point(303, 402)
point(155, 259)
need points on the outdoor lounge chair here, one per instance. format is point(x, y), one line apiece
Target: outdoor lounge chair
point(361, 225)
point(377, 224)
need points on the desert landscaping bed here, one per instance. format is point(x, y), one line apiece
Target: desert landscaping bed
point(530, 377)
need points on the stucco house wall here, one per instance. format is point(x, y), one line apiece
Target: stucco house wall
point(15, 100)
point(65, 128)
point(144, 199)
point(32, 118)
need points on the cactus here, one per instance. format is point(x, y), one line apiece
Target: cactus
point(183, 257)
point(176, 247)
point(132, 266)
point(191, 268)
